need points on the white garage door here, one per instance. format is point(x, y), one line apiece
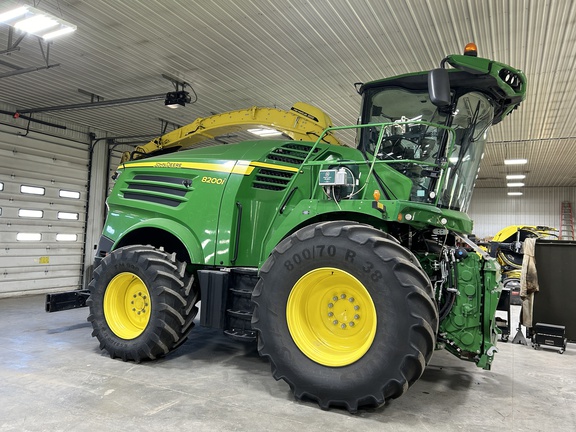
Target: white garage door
point(42, 213)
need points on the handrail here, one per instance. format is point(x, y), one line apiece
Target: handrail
point(375, 160)
point(289, 190)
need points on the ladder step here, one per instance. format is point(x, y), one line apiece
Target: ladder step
point(566, 230)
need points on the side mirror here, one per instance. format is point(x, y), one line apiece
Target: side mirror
point(439, 87)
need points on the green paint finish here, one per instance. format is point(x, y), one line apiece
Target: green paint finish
point(230, 205)
point(469, 331)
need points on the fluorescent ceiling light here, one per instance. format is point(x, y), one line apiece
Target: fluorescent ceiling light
point(515, 161)
point(13, 13)
point(515, 177)
point(59, 32)
point(514, 193)
point(515, 184)
point(264, 132)
point(36, 22)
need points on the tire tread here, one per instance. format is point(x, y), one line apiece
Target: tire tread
point(174, 297)
point(419, 296)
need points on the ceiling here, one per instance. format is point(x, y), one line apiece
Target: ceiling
point(242, 53)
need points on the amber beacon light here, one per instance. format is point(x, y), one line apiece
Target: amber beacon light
point(471, 49)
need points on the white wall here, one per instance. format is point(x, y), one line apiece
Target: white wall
point(492, 209)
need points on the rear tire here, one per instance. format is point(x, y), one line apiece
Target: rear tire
point(142, 303)
point(345, 314)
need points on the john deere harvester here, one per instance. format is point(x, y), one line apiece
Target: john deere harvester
point(347, 265)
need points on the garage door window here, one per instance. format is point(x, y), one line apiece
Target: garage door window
point(68, 215)
point(28, 236)
point(34, 190)
point(69, 194)
point(30, 213)
point(66, 237)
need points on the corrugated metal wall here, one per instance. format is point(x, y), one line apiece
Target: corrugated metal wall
point(42, 212)
point(492, 209)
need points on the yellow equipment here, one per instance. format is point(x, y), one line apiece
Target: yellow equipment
point(506, 246)
point(510, 241)
point(303, 122)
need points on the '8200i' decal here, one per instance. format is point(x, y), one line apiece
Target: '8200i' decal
point(213, 180)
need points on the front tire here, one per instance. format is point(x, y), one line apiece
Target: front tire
point(345, 314)
point(142, 303)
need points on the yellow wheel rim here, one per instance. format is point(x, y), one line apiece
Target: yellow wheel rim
point(127, 305)
point(331, 317)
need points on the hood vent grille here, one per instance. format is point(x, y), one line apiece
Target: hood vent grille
point(290, 153)
point(271, 179)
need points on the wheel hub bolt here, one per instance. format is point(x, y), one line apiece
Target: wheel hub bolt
point(330, 305)
point(343, 326)
point(335, 322)
point(351, 324)
point(351, 299)
point(356, 307)
point(356, 316)
point(343, 296)
point(335, 298)
point(330, 314)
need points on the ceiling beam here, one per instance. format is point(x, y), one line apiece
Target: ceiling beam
point(99, 104)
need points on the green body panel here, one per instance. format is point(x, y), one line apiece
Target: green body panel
point(120, 224)
point(469, 330)
point(205, 218)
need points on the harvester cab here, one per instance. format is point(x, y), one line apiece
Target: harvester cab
point(437, 124)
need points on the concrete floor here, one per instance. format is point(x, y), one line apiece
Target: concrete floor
point(53, 377)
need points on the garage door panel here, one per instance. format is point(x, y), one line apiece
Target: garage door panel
point(39, 283)
point(48, 233)
point(26, 249)
point(76, 152)
point(12, 273)
point(41, 236)
point(47, 226)
point(43, 258)
point(12, 203)
point(44, 225)
point(58, 169)
point(13, 179)
point(34, 165)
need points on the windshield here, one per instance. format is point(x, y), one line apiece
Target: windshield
point(410, 146)
point(472, 119)
point(418, 150)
